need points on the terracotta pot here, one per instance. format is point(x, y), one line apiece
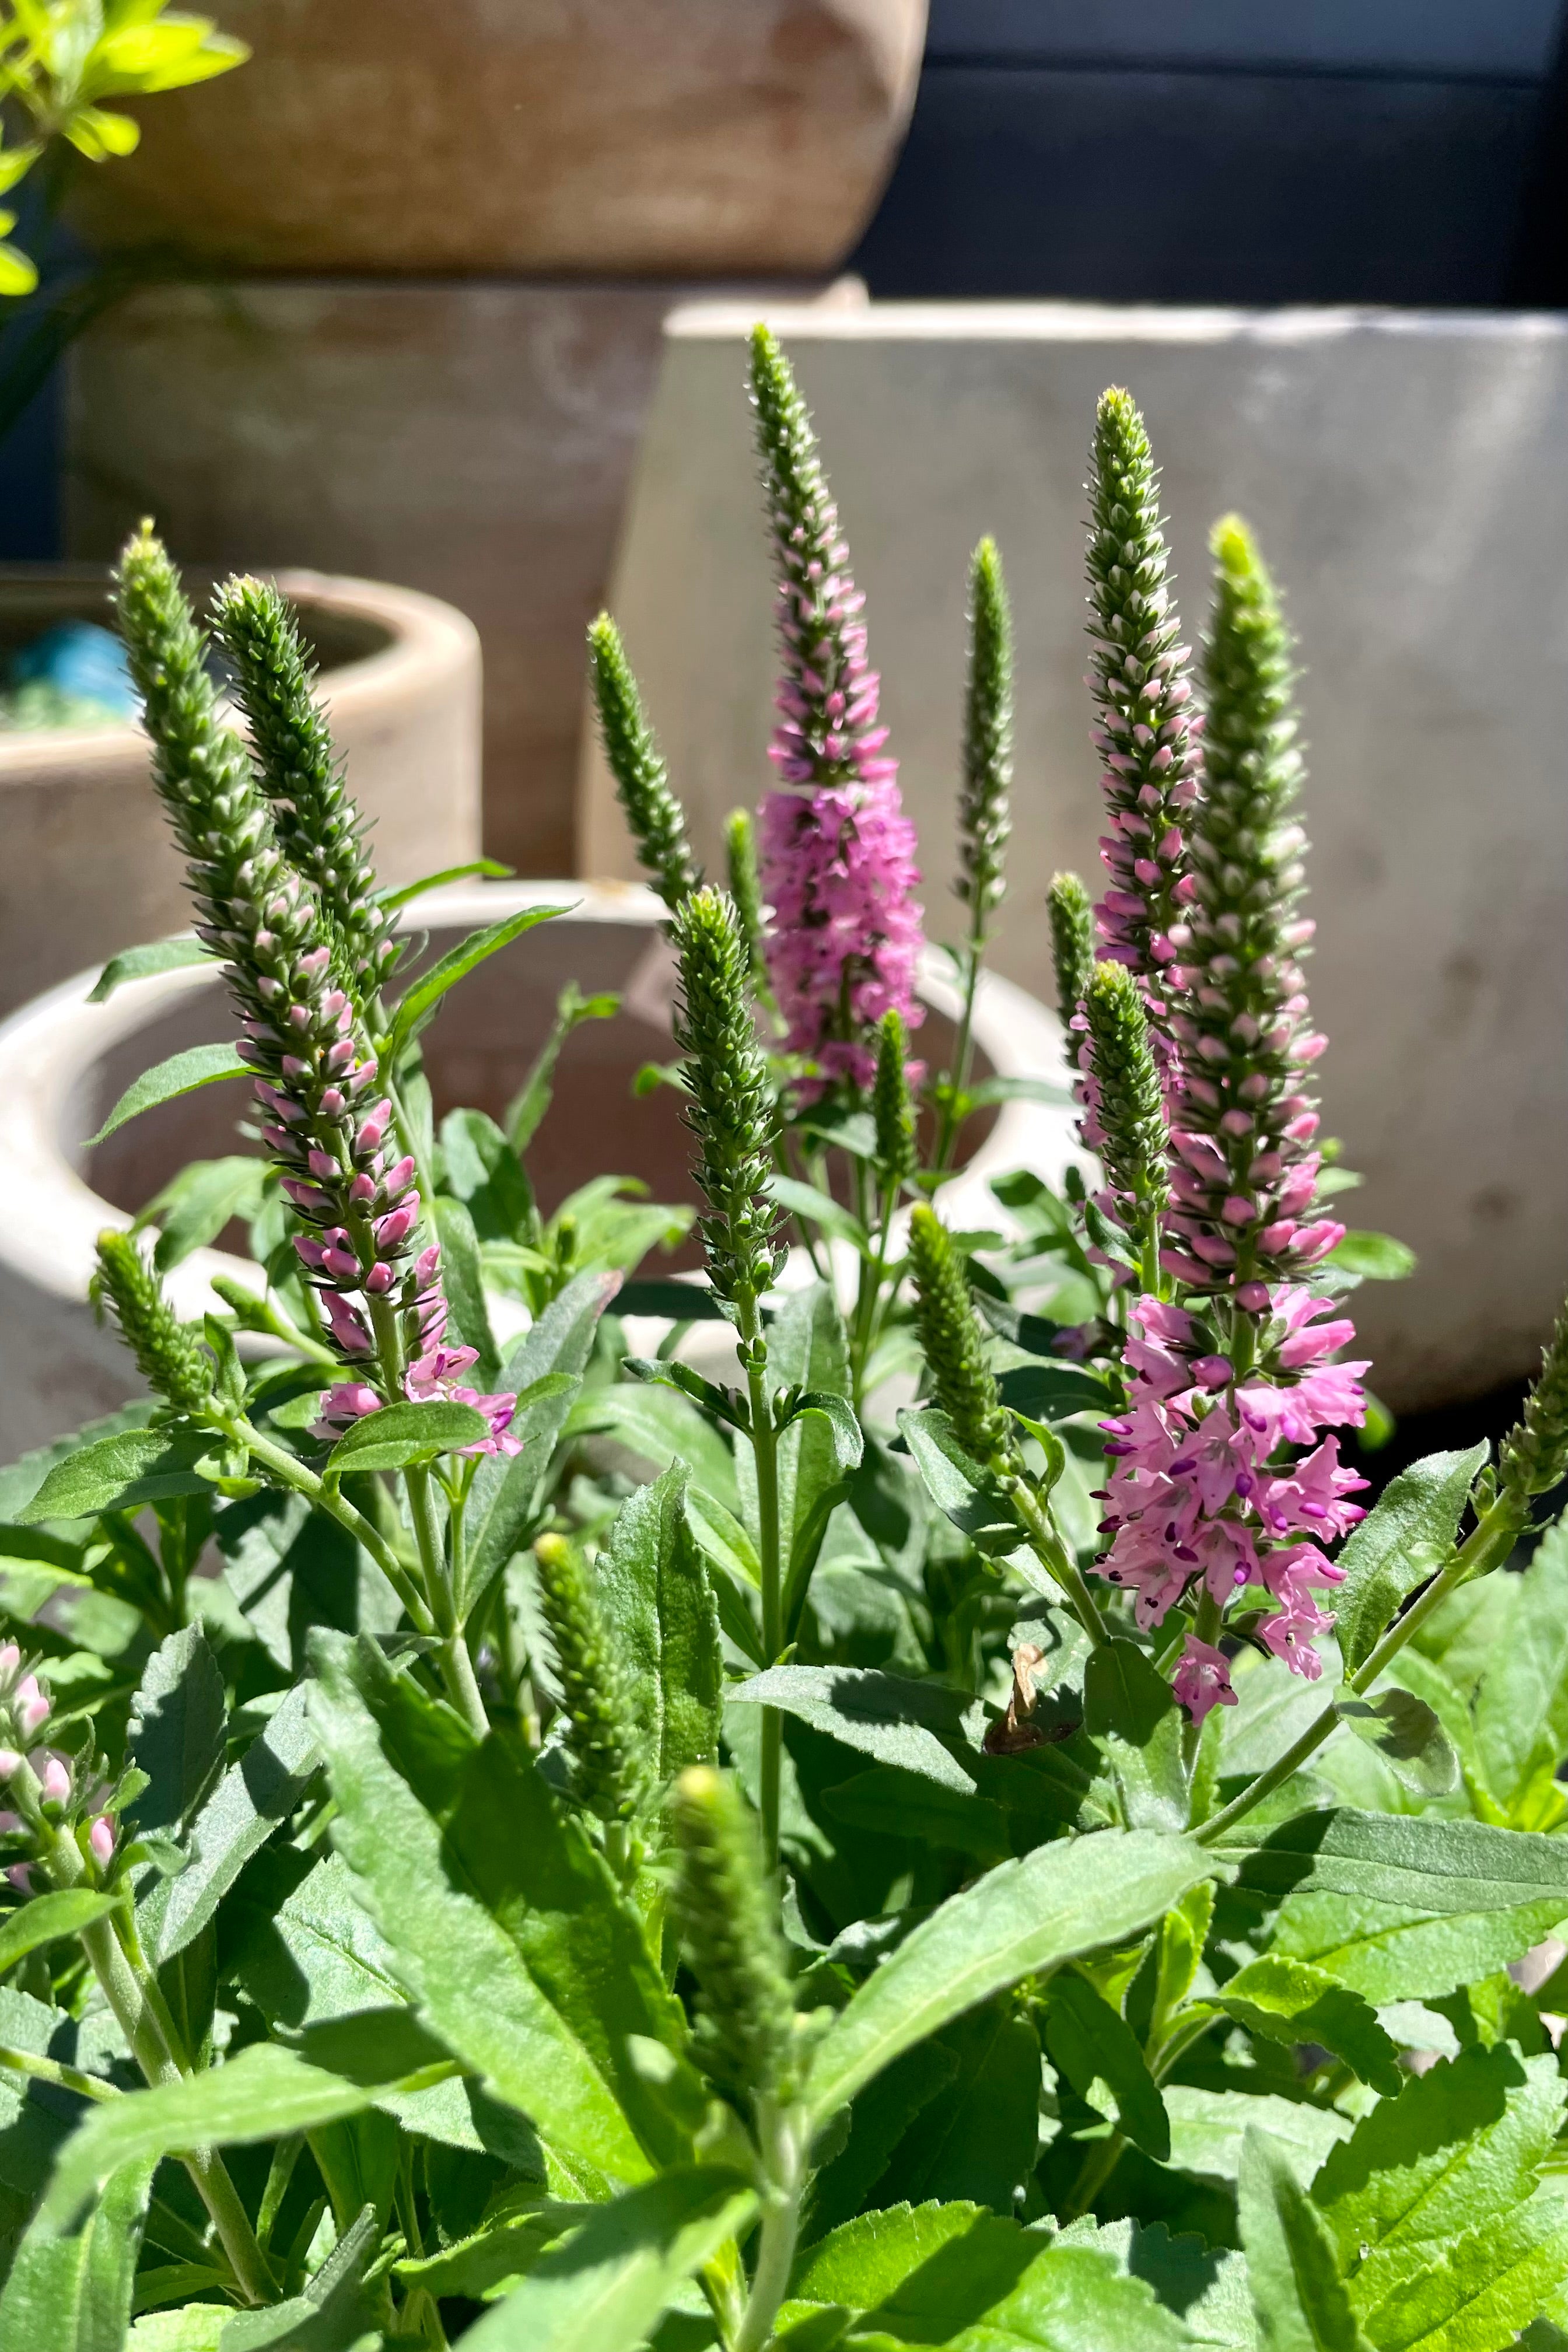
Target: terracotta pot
point(696, 137)
point(88, 866)
point(64, 1062)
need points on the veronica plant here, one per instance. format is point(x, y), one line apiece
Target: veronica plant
point(822, 1836)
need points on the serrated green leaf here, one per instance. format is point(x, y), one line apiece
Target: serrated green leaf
point(119, 1473)
point(1474, 2294)
point(1204, 2286)
point(606, 2287)
point(885, 1716)
point(1303, 2304)
point(957, 1484)
point(1021, 1919)
point(181, 1073)
point(334, 2314)
point(1207, 2128)
point(72, 2291)
point(995, 2288)
point(179, 1721)
point(1291, 2001)
point(1460, 2149)
point(656, 1591)
point(1086, 2038)
point(257, 1794)
point(1402, 1542)
point(1522, 1706)
point(1403, 1908)
point(860, 2264)
point(400, 1435)
point(1405, 1732)
point(907, 1804)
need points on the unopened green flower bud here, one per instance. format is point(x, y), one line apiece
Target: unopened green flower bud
point(169, 1354)
point(317, 825)
point(654, 817)
point(592, 1685)
point(1072, 941)
point(1129, 1101)
point(746, 889)
point(1533, 1456)
point(732, 1113)
point(892, 1105)
point(985, 821)
point(745, 2037)
point(953, 1343)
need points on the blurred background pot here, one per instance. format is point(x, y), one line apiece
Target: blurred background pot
point(89, 866)
point(64, 1062)
point(621, 137)
point(1405, 475)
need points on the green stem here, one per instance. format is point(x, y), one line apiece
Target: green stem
point(963, 1054)
point(1488, 1542)
point(783, 2135)
point(1054, 1557)
point(456, 1666)
point(291, 1473)
point(764, 1452)
point(65, 2078)
point(867, 1316)
point(1098, 2167)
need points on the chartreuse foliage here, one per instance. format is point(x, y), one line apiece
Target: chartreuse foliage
point(818, 1806)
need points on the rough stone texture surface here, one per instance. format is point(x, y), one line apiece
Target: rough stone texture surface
point(89, 868)
point(1406, 477)
point(692, 137)
point(471, 440)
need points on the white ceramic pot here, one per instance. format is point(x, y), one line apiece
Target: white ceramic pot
point(88, 866)
point(64, 1062)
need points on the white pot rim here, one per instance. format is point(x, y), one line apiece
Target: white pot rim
point(52, 1216)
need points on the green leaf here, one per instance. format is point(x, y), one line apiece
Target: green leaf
point(1204, 2286)
point(661, 1373)
point(1373, 1257)
point(1404, 1907)
point(141, 963)
point(996, 2288)
point(957, 1484)
point(897, 1803)
point(661, 1427)
point(1406, 1734)
point(1129, 1706)
point(1459, 2149)
point(1088, 2039)
point(465, 1286)
point(1207, 2128)
point(820, 1209)
point(193, 1209)
point(49, 1917)
point(1522, 1706)
point(198, 1065)
point(71, 2292)
point(883, 1716)
point(862, 2263)
point(1024, 1918)
point(257, 1794)
point(844, 1431)
point(656, 1591)
point(505, 1497)
point(264, 2093)
point(1301, 2302)
point(511, 1938)
point(179, 1721)
point(524, 1114)
point(399, 1434)
point(335, 2313)
point(606, 2287)
point(1402, 1542)
point(455, 965)
point(1053, 1392)
point(20, 1480)
point(1292, 2001)
point(489, 869)
point(675, 1301)
point(1473, 2295)
point(119, 1473)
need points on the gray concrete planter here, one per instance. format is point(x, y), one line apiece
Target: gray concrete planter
point(89, 868)
point(64, 1062)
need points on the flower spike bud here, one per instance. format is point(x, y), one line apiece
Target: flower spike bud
point(1243, 1119)
point(732, 1113)
point(953, 1343)
point(654, 817)
point(1144, 732)
point(593, 1692)
point(1131, 1109)
point(745, 2035)
point(317, 825)
point(746, 889)
point(1072, 942)
point(169, 1355)
point(838, 850)
point(892, 1104)
point(1533, 1456)
point(985, 819)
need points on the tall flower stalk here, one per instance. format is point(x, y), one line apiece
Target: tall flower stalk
point(838, 852)
point(985, 815)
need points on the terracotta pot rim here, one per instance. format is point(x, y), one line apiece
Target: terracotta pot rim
point(423, 633)
point(53, 1217)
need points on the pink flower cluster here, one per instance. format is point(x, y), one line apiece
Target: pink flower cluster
point(431, 1377)
point(1197, 1498)
point(836, 851)
point(25, 1708)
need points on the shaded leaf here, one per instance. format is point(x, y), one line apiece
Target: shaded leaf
point(1403, 1541)
point(1291, 2001)
point(1404, 1731)
point(1301, 2302)
point(1088, 2039)
point(883, 1716)
point(957, 1484)
point(257, 1794)
point(72, 2291)
point(65, 1912)
point(198, 1065)
point(179, 1721)
point(657, 1597)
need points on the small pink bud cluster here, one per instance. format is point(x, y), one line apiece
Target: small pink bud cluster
point(1197, 1501)
point(46, 1781)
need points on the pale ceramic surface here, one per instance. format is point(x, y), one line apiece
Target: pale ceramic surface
point(88, 866)
point(1407, 477)
point(63, 1062)
point(698, 137)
